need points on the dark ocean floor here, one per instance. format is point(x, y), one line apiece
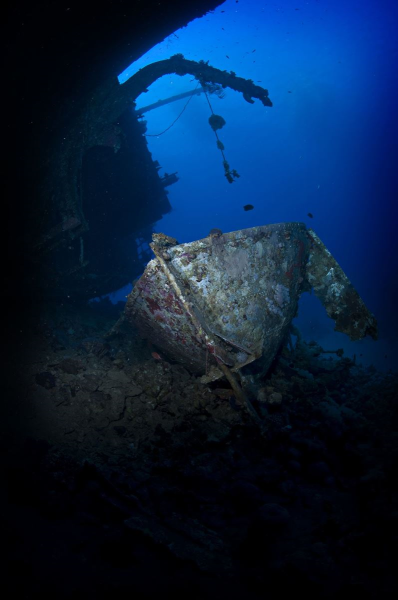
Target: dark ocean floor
point(124, 474)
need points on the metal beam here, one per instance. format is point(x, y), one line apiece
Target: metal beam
point(146, 109)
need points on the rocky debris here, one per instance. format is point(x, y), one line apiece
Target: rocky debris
point(187, 538)
point(274, 398)
point(45, 379)
point(70, 366)
point(179, 475)
point(272, 517)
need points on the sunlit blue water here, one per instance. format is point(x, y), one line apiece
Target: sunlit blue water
point(328, 146)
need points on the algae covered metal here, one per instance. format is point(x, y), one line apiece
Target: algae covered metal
point(229, 299)
point(342, 302)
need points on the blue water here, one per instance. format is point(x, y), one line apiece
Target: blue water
point(328, 146)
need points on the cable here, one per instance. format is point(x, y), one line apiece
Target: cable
point(215, 132)
point(175, 120)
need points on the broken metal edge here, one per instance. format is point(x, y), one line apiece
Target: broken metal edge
point(340, 299)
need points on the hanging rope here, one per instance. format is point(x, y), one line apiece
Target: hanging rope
point(219, 144)
point(175, 120)
point(217, 122)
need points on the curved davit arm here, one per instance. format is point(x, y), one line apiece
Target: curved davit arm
point(202, 71)
point(98, 116)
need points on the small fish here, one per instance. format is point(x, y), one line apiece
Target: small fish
point(310, 215)
point(156, 356)
point(289, 91)
point(227, 55)
point(248, 207)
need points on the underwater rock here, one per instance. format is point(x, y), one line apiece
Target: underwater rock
point(319, 471)
point(275, 398)
point(272, 516)
point(70, 366)
point(45, 379)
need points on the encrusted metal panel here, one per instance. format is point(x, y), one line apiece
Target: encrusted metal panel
point(244, 283)
point(337, 294)
point(159, 315)
point(243, 287)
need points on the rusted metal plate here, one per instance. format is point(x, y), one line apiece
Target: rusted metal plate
point(234, 298)
point(160, 316)
point(342, 302)
point(231, 297)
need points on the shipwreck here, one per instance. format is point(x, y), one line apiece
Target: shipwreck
point(224, 304)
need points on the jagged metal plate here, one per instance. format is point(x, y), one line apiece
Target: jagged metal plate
point(242, 286)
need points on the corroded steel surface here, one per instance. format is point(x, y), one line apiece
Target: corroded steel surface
point(337, 294)
point(230, 297)
point(160, 316)
point(242, 288)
